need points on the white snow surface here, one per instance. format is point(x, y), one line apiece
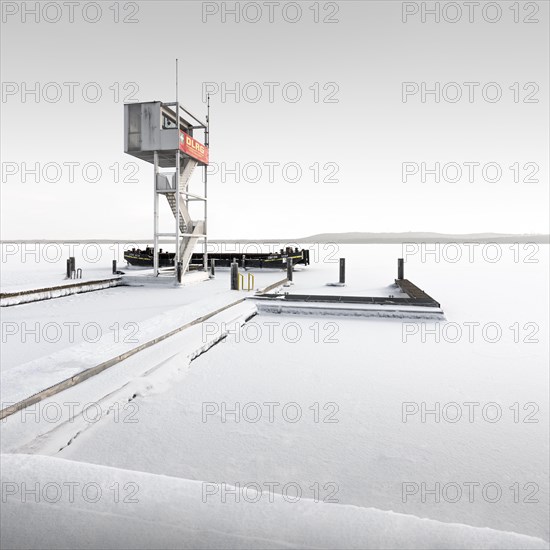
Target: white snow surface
point(129, 509)
point(363, 366)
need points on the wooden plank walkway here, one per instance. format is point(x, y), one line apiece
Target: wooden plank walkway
point(411, 290)
point(344, 299)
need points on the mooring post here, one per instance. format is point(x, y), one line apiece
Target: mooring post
point(342, 279)
point(179, 271)
point(212, 267)
point(68, 268)
point(234, 276)
point(114, 267)
point(400, 269)
point(72, 263)
point(289, 268)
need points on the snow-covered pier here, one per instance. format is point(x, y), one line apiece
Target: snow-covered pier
point(353, 306)
point(43, 378)
point(57, 291)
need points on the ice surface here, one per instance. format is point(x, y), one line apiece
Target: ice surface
point(115, 508)
point(369, 453)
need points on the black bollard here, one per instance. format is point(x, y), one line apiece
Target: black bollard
point(400, 269)
point(289, 268)
point(234, 276)
point(114, 267)
point(68, 268)
point(213, 267)
point(342, 271)
point(179, 271)
point(73, 264)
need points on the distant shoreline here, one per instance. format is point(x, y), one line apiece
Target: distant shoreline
point(337, 238)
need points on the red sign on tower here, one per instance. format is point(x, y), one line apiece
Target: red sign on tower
point(193, 148)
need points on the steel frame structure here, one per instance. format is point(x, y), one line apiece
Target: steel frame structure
point(162, 134)
point(180, 163)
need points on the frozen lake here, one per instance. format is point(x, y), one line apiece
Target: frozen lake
point(443, 420)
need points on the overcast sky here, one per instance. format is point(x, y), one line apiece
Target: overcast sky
point(352, 128)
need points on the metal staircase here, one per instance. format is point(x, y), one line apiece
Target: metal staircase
point(186, 224)
point(188, 244)
point(191, 231)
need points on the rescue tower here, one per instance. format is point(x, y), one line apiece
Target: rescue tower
point(163, 135)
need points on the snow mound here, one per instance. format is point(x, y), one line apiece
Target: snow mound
point(54, 503)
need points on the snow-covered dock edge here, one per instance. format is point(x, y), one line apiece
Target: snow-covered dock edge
point(88, 373)
point(36, 295)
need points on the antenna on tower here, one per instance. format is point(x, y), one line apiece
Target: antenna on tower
point(177, 81)
point(207, 135)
